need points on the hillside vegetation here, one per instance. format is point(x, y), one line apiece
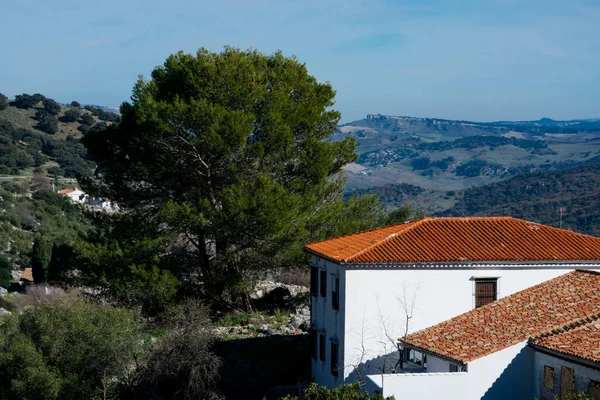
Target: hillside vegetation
point(444, 155)
point(538, 197)
point(38, 133)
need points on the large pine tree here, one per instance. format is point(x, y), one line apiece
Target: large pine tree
point(223, 166)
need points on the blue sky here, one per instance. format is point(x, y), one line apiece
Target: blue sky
point(469, 59)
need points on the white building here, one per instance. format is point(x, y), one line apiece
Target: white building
point(566, 361)
point(75, 195)
point(540, 343)
point(80, 197)
point(369, 287)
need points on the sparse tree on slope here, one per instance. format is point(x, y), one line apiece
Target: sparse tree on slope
point(3, 102)
point(5, 271)
point(51, 106)
point(25, 101)
point(40, 258)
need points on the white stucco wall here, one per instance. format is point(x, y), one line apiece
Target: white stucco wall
point(325, 319)
point(372, 302)
point(424, 386)
point(583, 374)
point(506, 374)
point(435, 364)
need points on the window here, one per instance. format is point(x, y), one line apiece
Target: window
point(334, 358)
point(323, 283)
point(313, 343)
point(322, 348)
point(414, 356)
point(549, 378)
point(314, 277)
point(335, 293)
point(567, 381)
point(594, 389)
point(485, 291)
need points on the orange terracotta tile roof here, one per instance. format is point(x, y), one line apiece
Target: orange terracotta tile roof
point(565, 300)
point(66, 191)
point(27, 274)
point(581, 340)
point(464, 239)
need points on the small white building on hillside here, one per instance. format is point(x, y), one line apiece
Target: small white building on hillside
point(371, 288)
point(540, 343)
point(75, 195)
point(80, 197)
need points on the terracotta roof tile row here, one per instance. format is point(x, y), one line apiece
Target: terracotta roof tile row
point(561, 301)
point(582, 340)
point(465, 239)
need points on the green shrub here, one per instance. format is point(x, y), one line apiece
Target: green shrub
point(64, 349)
point(25, 101)
point(51, 106)
point(345, 392)
point(5, 271)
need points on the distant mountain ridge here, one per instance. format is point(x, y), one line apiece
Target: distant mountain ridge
point(449, 155)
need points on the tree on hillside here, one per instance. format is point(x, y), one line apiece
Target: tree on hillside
point(224, 161)
point(51, 106)
point(87, 119)
point(46, 122)
point(75, 104)
point(24, 101)
point(5, 271)
point(37, 97)
point(71, 115)
point(39, 181)
point(40, 259)
point(3, 101)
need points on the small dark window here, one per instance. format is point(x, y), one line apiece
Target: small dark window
point(485, 291)
point(567, 382)
point(313, 343)
point(549, 378)
point(314, 277)
point(323, 283)
point(334, 358)
point(322, 348)
point(335, 294)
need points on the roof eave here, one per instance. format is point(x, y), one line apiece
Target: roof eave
point(568, 357)
point(461, 264)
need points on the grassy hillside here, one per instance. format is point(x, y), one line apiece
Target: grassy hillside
point(39, 135)
point(25, 118)
point(396, 195)
point(538, 197)
point(444, 155)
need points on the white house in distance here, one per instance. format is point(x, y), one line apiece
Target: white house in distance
point(371, 288)
point(540, 343)
point(80, 197)
point(75, 195)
